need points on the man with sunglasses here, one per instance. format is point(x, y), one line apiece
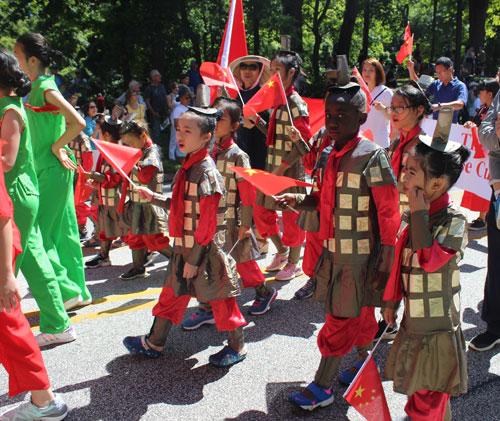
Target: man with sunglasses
point(447, 91)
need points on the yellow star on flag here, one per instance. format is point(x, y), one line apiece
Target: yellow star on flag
point(251, 172)
point(359, 392)
point(270, 84)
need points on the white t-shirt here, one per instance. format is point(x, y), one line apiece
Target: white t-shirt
point(376, 122)
point(178, 111)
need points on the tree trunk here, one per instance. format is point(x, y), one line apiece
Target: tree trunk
point(458, 37)
point(477, 21)
point(347, 28)
point(366, 28)
point(293, 9)
point(188, 31)
point(255, 8)
point(318, 36)
point(433, 31)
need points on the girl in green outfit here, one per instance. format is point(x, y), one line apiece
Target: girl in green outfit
point(22, 186)
point(53, 124)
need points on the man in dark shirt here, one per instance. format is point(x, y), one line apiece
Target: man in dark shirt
point(155, 96)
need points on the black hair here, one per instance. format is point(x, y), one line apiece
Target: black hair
point(439, 164)
point(207, 119)
point(490, 85)
point(11, 76)
point(112, 129)
point(86, 107)
point(289, 59)
point(414, 97)
point(35, 45)
point(444, 61)
point(232, 108)
point(134, 127)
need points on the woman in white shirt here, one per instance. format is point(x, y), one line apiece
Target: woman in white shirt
point(374, 76)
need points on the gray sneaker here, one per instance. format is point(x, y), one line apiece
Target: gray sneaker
point(55, 411)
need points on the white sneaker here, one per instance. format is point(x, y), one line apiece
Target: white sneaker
point(75, 302)
point(55, 411)
point(45, 339)
point(278, 261)
point(289, 272)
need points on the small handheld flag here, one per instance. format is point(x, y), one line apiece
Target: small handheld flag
point(407, 46)
point(271, 95)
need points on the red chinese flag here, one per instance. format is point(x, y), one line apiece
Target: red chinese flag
point(268, 183)
point(364, 86)
point(316, 113)
point(83, 188)
point(234, 42)
point(368, 134)
point(407, 46)
point(121, 158)
point(271, 95)
point(215, 75)
point(366, 394)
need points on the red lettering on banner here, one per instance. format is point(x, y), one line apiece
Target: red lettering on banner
point(465, 136)
point(468, 167)
point(481, 170)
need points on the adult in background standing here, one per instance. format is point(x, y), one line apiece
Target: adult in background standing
point(252, 72)
point(447, 91)
point(194, 76)
point(135, 86)
point(489, 136)
point(155, 95)
point(374, 76)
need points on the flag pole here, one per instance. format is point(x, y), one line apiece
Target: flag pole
point(286, 99)
point(412, 35)
point(288, 206)
point(230, 251)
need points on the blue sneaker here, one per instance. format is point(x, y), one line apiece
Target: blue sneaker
point(199, 318)
point(347, 376)
point(262, 304)
point(138, 345)
point(227, 357)
point(322, 397)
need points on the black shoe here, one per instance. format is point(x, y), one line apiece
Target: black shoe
point(133, 273)
point(389, 335)
point(306, 291)
point(484, 341)
point(477, 225)
point(98, 261)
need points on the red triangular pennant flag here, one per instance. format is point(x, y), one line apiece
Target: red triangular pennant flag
point(364, 86)
point(121, 158)
point(83, 188)
point(316, 113)
point(366, 394)
point(234, 42)
point(271, 95)
point(267, 183)
point(407, 46)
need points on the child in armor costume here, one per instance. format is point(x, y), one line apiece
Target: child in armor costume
point(198, 267)
point(147, 222)
point(108, 186)
point(239, 206)
point(357, 196)
point(283, 158)
point(427, 360)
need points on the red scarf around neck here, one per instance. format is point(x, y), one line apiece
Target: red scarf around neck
point(397, 158)
point(218, 148)
point(176, 220)
point(328, 187)
point(393, 289)
point(272, 122)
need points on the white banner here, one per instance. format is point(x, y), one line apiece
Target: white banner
point(476, 173)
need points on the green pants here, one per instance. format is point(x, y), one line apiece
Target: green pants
point(34, 263)
point(57, 220)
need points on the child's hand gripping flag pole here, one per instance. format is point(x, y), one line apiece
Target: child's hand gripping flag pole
point(267, 183)
point(365, 393)
point(122, 158)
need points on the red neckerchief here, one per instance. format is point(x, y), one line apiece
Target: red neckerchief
point(328, 187)
point(272, 122)
point(126, 183)
point(222, 147)
point(176, 220)
point(398, 154)
point(393, 289)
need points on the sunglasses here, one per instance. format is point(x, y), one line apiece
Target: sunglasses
point(252, 66)
point(93, 106)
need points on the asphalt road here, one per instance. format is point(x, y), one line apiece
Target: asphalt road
point(99, 380)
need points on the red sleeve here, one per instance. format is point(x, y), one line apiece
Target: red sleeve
point(87, 161)
point(309, 160)
point(207, 224)
point(111, 179)
point(145, 174)
point(387, 203)
point(248, 193)
point(302, 125)
point(434, 257)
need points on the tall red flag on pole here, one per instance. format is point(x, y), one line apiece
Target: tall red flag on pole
point(366, 394)
point(407, 46)
point(271, 95)
point(234, 42)
point(364, 86)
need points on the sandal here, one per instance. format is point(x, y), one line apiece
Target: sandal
point(322, 397)
point(91, 242)
point(226, 357)
point(138, 345)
